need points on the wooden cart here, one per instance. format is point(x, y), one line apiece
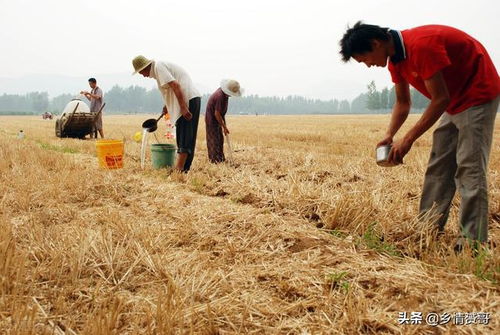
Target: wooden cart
point(77, 124)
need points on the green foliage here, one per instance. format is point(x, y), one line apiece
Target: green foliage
point(337, 281)
point(39, 101)
point(373, 97)
point(480, 263)
point(34, 102)
point(382, 101)
point(384, 98)
point(137, 99)
point(418, 100)
point(255, 105)
point(391, 99)
point(58, 103)
point(358, 105)
point(338, 233)
point(63, 149)
point(376, 242)
point(344, 107)
point(16, 113)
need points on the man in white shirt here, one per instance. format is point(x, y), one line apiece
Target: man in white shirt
point(181, 100)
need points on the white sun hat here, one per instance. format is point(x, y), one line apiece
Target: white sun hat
point(140, 63)
point(231, 87)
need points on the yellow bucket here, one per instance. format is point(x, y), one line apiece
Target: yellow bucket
point(110, 153)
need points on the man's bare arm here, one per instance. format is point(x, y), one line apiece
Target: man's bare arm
point(174, 85)
point(440, 99)
point(400, 111)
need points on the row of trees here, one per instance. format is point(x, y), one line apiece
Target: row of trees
point(31, 102)
point(384, 100)
point(136, 99)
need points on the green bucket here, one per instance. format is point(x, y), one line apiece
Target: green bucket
point(162, 155)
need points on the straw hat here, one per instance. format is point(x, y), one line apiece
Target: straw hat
point(231, 87)
point(140, 63)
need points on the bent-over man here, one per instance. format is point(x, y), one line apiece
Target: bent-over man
point(456, 73)
point(181, 100)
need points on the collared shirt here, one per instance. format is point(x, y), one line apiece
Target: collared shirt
point(95, 104)
point(469, 73)
point(165, 73)
point(399, 47)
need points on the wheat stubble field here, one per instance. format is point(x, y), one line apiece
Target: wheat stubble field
point(302, 234)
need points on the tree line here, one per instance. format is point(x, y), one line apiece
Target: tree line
point(384, 100)
point(137, 99)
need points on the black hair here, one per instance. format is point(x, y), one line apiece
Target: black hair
point(92, 80)
point(357, 40)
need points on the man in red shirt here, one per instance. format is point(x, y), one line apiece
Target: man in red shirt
point(456, 73)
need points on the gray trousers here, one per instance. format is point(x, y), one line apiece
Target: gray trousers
point(459, 159)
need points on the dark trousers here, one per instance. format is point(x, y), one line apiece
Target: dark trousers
point(186, 132)
point(215, 143)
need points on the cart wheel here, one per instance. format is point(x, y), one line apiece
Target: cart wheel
point(58, 128)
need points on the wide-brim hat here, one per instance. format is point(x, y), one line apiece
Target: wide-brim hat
point(140, 63)
point(231, 87)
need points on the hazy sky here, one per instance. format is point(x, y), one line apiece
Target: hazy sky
point(271, 47)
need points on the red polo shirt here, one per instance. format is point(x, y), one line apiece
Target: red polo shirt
point(468, 70)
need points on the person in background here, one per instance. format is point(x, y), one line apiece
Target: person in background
point(95, 97)
point(181, 100)
point(215, 118)
point(456, 73)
